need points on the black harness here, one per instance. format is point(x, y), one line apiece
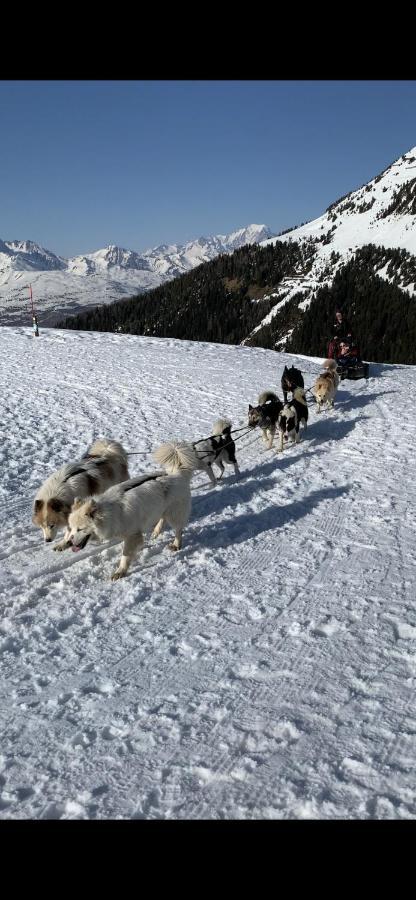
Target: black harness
point(80, 470)
point(143, 478)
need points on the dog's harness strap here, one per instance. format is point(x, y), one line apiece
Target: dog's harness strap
point(142, 480)
point(236, 430)
point(79, 471)
point(211, 436)
point(223, 446)
point(97, 461)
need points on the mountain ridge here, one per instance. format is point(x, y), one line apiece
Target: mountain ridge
point(67, 286)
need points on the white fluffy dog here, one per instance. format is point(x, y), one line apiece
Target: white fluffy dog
point(104, 464)
point(326, 384)
point(129, 510)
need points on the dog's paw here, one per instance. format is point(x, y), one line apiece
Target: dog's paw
point(119, 573)
point(63, 546)
point(173, 547)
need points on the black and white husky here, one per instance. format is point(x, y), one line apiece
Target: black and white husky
point(129, 510)
point(291, 416)
point(218, 449)
point(266, 415)
point(288, 425)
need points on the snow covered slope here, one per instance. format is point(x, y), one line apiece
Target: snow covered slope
point(267, 670)
point(62, 287)
point(382, 212)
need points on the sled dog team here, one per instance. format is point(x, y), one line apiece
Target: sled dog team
point(95, 499)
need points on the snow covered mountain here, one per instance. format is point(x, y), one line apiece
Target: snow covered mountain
point(65, 286)
point(382, 212)
point(25, 256)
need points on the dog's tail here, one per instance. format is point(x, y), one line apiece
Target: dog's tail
point(176, 456)
point(267, 395)
point(329, 364)
point(300, 396)
point(104, 447)
point(221, 425)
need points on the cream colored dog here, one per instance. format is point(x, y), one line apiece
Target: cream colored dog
point(128, 510)
point(326, 384)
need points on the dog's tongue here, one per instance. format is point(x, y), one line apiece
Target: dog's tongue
point(75, 549)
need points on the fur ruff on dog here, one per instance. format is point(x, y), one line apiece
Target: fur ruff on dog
point(129, 510)
point(266, 415)
point(104, 465)
point(326, 384)
point(176, 455)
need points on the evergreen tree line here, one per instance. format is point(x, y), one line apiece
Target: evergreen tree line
point(217, 301)
point(403, 201)
point(401, 265)
point(223, 301)
point(382, 316)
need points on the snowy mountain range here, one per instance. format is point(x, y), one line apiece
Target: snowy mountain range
point(381, 212)
point(65, 286)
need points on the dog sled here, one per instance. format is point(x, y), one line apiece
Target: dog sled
point(353, 371)
point(347, 356)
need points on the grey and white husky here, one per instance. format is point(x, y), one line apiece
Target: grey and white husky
point(266, 415)
point(104, 464)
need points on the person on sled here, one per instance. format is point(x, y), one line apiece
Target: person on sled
point(342, 327)
point(348, 354)
point(341, 331)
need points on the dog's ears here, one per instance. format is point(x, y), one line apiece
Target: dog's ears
point(91, 509)
point(55, 504)
point(250, 407)
point(59, 506)
point(36, 511)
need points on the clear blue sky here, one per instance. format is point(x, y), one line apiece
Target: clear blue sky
point(84, 164)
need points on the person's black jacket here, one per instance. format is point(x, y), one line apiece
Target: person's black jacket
point(342, 330)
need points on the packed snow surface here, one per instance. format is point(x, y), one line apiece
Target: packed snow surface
point(267, 670)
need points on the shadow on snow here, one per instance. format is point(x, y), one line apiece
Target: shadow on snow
point(240, 528)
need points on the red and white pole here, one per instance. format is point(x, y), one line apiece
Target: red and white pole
point(34, 318)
